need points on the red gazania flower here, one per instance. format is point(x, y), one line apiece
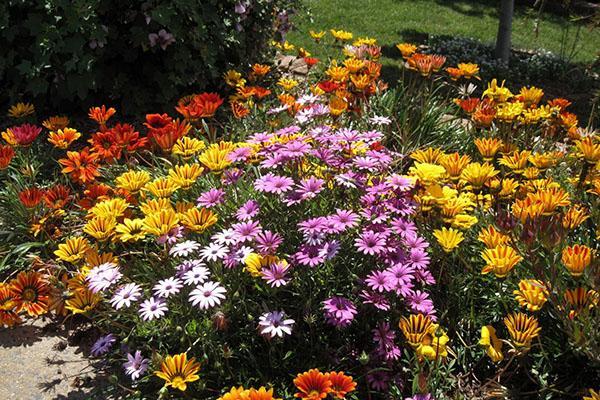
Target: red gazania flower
point(312, 385)
point(238, 109)
point(328, 86)
point(311, 61)
point(82, 166)
point(101, 115)
point(8, 315)
point(127, 138)
point(560, 103)
point(468, 105)
point(31, 197)
point(166, 137)
point(373, 69)
point(156, 123)
point(341, 384)
point(30, 293)
point(210, 103)
point(6, 155)
point(25, 134)
point(261, 92)
point(105, 145)
point(94, 193)
point(57, 196)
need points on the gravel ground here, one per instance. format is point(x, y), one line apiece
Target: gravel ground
point(38, 361)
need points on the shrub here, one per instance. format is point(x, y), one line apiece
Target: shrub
point(143, 54)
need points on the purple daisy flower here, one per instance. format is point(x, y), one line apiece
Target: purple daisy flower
point(377, 300)
point(380, 281)
point(153, 309)
point(419, 302)
point(274, 324)
point(369, 242)
point(207, 295)
point(213, 252)
point(339, 311)
point(418, 258)
point(196, 275)
point(384, 337)
point(271, 183)
point(211, 198)
point(136, 365)
point(171, 236)
point(276, 274)
point(309, 255)
point(267, 242)
point(246, 230)
point(103, 345)
point(249, 210)
point(103, 276)
point(344, 219)
point(309, 188)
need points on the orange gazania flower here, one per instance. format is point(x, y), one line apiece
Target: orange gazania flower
point(57, 196)
point(104, 144)
point(6, 155)
point(127, 138)
point(341, 384)
point(468, 105)
point(260, 92)
point(31, 197)
point(62, 138)
point(484, 113)
point(454, 73)
point(81, 166)
point(30, 293)
point(238, 109)
point(94, 193)
point(8, 315)
point(576, 258)
point(260, 69)
point(202, 105)
point(165, 131)
point(312, 385)
point(311, 61)
point(101, 115)
point(56, 123)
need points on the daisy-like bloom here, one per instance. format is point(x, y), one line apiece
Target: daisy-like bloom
point(248, 210)
point(25, 134)
point(491, 238)
point(580, 300)
point(245, 231)
point(162, 187)
point(103, 345)
point(31, 197)
point(415, 327)
point(73, 249)
point(177, 371)
point(211, 198)
point(379, 380)
point(593, 395)
point(103, 276)
point(101, 114)
point(490, 342)
point(161, 222)
point(344, 219)
point(215, 158)
point(477, 174)
point(312, 385)
point(167, 287)
point(185, 175)
point(271, 183)
point(57, 196)
point(225, 237)
point(500, 260)
point(56, 122)
point(199, 220)
point(380, 281)
point(21, 110)
point(197, 274)
point(30, 293)
point(184, 248)
point(380, 120)
point(213, 252)
point(187, 146)
point(448, 239)
point(6, 155)
point(82, 301)
point(590, 151)
point(63, 138)
point(276, 274)
point(8, 316)
point(153, 309)
point(532, 294)
point(522, 328)
point(371, 243)
point(132, 181)
point(576, 258)
point(130, 230)
point(136, 365)
point(207, 295)
point(101, 228)
point(81, 166)
point(268, 242)
point(420, 302)
point(339, 311)
point(274, 324)
point(309, 188)
point(125, 295)
point(378, 300)
point(341, 384)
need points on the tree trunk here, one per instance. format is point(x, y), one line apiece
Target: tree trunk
point(504, 30)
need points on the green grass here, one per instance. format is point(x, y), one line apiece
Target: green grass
point(394, 21)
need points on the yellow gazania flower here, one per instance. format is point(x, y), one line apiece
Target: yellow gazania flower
point(590, 151)
point(82, 301)
point(9, 137)
point(545, 160)
point(185, 175)
point(132, 181)
point(522, 329)
point(365, 41)
point(497, 93)
point(449, 239)
point(187, 147)
point(337, 106)
point(341, 35)
point(532, 294)
point(500, 260)
point(177, 371)
point(574, 217)
point(478, 174)
point(155, 205)
point(430, 155)
point(56, 123)
point(233, 78)
point(73, 249)
point(215, 157)
point(414, 328)
point(130, 230)
point(21, 110)
point(317, 36)
point(488, 147)
point(238, 393)
point(434, 344)
point(468, 70)
point(101, 228)
point(63, 138)
point(160, 223)
point(162, 187)
point(287, 83)
point(199, 220)
point(576, 258)
point(580, 300)
point(594, 395)
point(531, 95)
point(93, 258)
point(463, 221)
point(428, 173)
point(527, 209)
point(181, 207)
point(407, 49)
point(516, 161)
point(491, 343)
point(491, 238)
point(112, 208)
point(337, 74)
point(508, 187)
point(551, 199)
point(454, 164)
point(255, 263)
point(353, 65)
point(360, 81)
point(530, 173)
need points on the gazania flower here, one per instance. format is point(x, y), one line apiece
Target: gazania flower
point(31, 197)
point(407, 49)
point(57, 196)
point(532, 294)
point(574, 217)
point(187, 147)
point(239, 110)
point(500, 260)
point(491, 343)
point(589, 150)
point(100, 228)
point(8, 316)
point(162, 187)
point(130, 230)
point(215, 158)
point(111, 208)
point(185, 175)
point(25, 134)
point(21, 110)
point(449, 239)
point(73, 249)
point(433, 344)
point(341, 35)
point(199, 220)
point(522, 328)
point(30, 293)
point(454, 164)
point(82, 301)
point(56, 123)
point(337, 106)
point(178, 371)
point(468, 70)
point(576, 258)
point(132, 181)
point(312, 385)
point(516, 161)
point(341, 384)
point(317, 36)
point(81, 166)
point(6, 155)
point(63, 138)
point(161, 223)
point(580, 300)
point(593, 395)
point(415, 327)
point(491, 238)
point(478, 174)
point(101, 115)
